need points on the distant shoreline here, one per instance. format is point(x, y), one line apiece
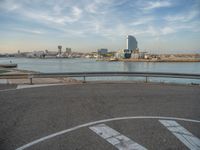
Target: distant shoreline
point(144, 60)
point(156, 61)
point(165, 60)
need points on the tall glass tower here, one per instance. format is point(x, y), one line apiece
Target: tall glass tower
point(131, 42)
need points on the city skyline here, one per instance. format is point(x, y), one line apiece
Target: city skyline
point(86, 25)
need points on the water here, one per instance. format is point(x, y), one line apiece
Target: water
point(87, 65)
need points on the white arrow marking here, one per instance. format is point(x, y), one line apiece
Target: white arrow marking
point(182, 134)
point(118, 140)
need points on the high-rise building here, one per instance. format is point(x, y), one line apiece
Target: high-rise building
point(131, 43)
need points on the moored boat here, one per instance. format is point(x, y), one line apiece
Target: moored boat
point(8, 65)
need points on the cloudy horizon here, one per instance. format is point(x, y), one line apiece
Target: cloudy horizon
point(85, 25)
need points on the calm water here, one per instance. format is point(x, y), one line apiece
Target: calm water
point(84, 65)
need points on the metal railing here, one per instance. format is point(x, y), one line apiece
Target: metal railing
point(99, 74)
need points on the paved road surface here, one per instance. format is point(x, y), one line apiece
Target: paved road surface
point(30, 114)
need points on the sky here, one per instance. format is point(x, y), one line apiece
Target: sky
point(163, 26)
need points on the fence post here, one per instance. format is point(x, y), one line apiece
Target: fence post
point(146, 80)
point(84, 81)
point(31, 79)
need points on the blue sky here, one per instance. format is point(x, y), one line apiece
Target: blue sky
point(85, 25)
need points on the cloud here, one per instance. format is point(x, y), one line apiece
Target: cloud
point(9, 5)
point(76, 12)
point(45, 17)
point(91, 8)
point(167, 30)
point(189, 26)
point(183, 17)
point(60, 13)
point(98, 6)
point(32, 31)
point(157, 4)
point(152, 31)
point(142, 21)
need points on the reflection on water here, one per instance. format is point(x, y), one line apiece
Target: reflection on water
point(86, 65)
point(137, 66)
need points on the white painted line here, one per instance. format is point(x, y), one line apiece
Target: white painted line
point(100, 121)
point(118, 140)
point(5, 90)
point(30, 86)
point(36, 85)
point(182, 134)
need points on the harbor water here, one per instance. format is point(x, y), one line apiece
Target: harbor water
point(91, 65)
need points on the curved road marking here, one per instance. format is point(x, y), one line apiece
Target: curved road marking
point(101, 121)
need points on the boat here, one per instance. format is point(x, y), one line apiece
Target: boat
point(113, 59)
point(8, 65)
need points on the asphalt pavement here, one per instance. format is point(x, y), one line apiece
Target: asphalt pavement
point(101, 116)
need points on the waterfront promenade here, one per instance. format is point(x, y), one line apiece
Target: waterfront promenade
point(77, 116)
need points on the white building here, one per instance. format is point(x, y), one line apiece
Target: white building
point(124, 53)
point(138, 55)
point(131, 43)
point(36, 54)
